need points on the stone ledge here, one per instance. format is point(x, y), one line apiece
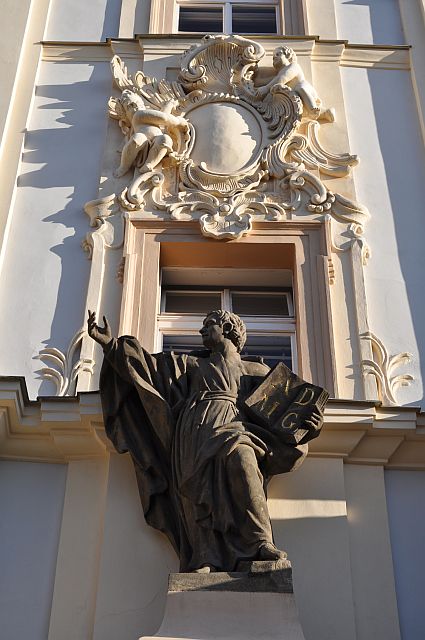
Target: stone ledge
point(268, 581)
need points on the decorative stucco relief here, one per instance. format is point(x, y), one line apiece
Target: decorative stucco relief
point(382, 367)
point(218, 147)
point(64, 368)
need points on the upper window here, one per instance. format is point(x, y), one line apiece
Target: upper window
point(230, 16)
point(266, 310)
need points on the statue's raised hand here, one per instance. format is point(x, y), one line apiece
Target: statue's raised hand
point(102, 335)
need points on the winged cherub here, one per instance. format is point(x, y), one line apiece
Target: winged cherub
point(289, 73)
point(149, 135)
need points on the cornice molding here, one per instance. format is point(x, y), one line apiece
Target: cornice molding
point(346, 53)
point(53, 429)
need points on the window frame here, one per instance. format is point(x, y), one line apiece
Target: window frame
point(226, 297)
point(292, 17)
point(189, 323)
point(227, 13)
point(304, 248)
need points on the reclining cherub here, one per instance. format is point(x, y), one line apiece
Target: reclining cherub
point(290, 74)
point(149, 140)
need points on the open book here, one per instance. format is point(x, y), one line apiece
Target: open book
point(283, 402)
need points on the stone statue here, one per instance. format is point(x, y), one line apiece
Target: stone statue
point(147, 143)
point(289, 73)
point(202, 464)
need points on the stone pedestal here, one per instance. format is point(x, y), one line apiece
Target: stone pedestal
point(251, 604)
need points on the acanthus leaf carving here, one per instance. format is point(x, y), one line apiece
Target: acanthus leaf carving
point(382, 367)
point(100, 211)
point(63, 367)
point(307, 149)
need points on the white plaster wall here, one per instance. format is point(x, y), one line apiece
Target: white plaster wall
point(370, 554)
point(44, 283)
point(135, 562)
point(83, 20)
point(369, 21)
point(14, 17)
point(308, 510)
point(390, 180)
point(405, 498)
point(31, 498)
point(309, 516)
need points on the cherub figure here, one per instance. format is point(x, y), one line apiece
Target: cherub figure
point(289, 73)
point(149, 140)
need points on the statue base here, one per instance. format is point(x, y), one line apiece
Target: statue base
point(256, 602)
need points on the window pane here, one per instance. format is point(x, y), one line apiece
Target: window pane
point(253, 19)
point(201, 19)
point(182, 344)
point(273, 349)
point(192, 302)
point(260, 304)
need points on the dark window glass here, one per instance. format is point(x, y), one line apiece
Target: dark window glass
point(182, 344)
point(253, 19)
point(252, 304)
point(192, 302)
point(201, 19)
point(272, 348)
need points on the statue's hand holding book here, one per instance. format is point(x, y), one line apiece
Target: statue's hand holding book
point(287, 404)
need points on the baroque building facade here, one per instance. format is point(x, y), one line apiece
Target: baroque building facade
point(277, 171)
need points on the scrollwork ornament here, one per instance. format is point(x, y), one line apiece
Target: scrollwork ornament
point(218, 147)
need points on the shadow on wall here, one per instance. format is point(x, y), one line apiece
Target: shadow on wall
point(69, 156)
point(402, 152)
point(111, 20)
point(384, 20)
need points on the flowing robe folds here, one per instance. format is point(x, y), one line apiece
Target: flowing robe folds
point(201, 465)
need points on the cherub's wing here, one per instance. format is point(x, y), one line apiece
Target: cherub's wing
point(122, 78)
point(117, 112)
point(158, 93)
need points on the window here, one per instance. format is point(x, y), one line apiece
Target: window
point(230, 16)
point(266, 310)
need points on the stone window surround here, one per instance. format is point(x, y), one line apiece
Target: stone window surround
point(150, 246)
point(291, 15)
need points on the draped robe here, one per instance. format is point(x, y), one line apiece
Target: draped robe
point(182, 420)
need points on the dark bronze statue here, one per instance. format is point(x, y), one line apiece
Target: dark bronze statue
point(202, 463)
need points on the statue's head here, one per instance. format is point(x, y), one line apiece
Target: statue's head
point(131, 101)
point(282, 56)
point(222, 325)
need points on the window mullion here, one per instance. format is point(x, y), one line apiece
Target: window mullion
point(227, 302)
point(227, 17)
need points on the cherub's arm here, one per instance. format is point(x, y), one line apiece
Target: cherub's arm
point(157, 118)
point(282, 78)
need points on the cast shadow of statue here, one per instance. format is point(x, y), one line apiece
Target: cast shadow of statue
point(67, 158)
